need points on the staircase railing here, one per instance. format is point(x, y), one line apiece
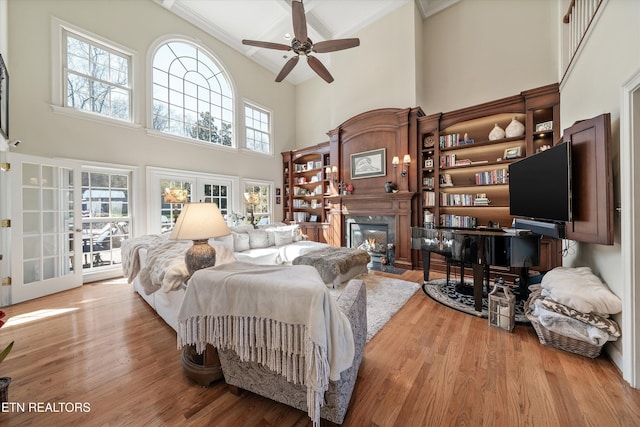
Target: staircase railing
point(577, 23)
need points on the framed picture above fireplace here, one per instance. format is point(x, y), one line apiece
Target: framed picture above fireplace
point(368, 164)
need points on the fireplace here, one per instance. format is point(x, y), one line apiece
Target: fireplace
point(376, 235)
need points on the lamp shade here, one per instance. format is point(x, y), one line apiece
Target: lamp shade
point(395, 160)
point(407, 159)
point(199, 221)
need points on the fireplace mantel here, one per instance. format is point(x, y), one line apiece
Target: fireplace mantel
point(397, 205)
point(346, 198)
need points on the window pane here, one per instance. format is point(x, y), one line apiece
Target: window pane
point(97, 78)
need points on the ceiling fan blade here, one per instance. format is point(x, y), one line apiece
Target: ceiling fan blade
point(287, 68)
point(299, 21)
point(320, 69)
point(268, 45)
point(333, 45)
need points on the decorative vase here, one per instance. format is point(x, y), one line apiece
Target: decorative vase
point(514, 129)
point(4, 389)
point(389, 187)
point(496, 133)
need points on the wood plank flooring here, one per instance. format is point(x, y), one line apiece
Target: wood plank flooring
point(101, 345)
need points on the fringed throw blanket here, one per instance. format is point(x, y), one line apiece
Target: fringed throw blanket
point(130, 253)
point(282, 317)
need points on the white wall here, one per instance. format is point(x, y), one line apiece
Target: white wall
point(135, 25)
point(479, 51)
point(610, 57)
point(380, 73)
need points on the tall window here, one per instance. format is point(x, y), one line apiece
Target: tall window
point(257, 199)
point(257, 129)
point(192, 97)
point(97, 77)
point(106, 219)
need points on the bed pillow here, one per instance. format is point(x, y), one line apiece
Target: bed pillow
point(258, 239)
point(581, 290)
point(240, 242)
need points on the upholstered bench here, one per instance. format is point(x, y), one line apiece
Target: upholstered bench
point(258, 379)
point(335, 265)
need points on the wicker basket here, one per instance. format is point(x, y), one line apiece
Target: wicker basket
point(553, 339)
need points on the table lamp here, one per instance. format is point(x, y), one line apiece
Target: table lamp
point(199, 222)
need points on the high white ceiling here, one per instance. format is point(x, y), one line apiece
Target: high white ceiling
point(269, 20)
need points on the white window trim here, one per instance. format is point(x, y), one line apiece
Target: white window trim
point(58, 27)
point(149, 99)
point(155, 174)
point(260, 183)
point(256, 105)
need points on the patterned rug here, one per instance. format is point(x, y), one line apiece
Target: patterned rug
point(385, 296)
point(445, 293)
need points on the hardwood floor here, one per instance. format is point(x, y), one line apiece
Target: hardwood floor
point(102, 345)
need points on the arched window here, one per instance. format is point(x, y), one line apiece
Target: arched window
point(192, 96)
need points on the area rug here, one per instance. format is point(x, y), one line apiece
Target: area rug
point(445, 293)
point(385, 296)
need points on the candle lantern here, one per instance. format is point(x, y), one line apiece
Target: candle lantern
point(502, 306)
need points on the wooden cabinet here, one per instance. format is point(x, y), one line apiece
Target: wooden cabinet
point(463, 174)
point(306, 181)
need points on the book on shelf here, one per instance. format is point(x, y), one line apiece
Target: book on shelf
point(454, 140)
point(454, 199)
point(429, 198)
point(496, 176)
point(448, 220)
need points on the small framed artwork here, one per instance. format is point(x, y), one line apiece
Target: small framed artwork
point(512, 153)
point(368, 164)
point(278, 191)
point(544, 126)
point(428, 163)
point(313, 218)
point(278, 200)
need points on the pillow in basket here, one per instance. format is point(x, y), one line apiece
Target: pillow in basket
point(581, 290)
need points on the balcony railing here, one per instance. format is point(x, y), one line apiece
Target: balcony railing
point(577, 22)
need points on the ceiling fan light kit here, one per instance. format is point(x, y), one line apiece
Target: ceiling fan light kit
point(301, 44)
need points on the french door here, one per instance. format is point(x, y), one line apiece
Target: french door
point(46, 233)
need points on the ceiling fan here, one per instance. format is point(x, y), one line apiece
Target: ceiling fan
point(302, 45)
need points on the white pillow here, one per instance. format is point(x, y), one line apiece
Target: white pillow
point(581, 290)
point(282, 237)
point(240, 242)
point(225, 240)
point(245, 228)
point(258, 239)
point(224, 254)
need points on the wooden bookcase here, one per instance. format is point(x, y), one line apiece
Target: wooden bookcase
point(459, 163)
point(306, 182)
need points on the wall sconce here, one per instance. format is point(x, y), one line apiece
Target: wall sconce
point(334, 173)
point(395, 161)
point(406, 161)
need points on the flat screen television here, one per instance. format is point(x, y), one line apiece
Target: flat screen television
point(540, 185)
